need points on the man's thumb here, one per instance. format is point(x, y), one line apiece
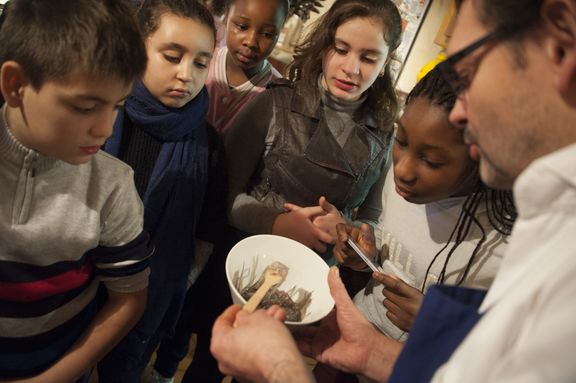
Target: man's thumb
point(337, 288)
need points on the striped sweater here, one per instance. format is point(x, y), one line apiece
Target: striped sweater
point(63, 230)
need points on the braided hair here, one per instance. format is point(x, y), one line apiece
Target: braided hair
point(499, 204)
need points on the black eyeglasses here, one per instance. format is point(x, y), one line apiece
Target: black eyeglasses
point(447, 68)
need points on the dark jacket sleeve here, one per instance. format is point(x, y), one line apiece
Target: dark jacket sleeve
point(245, 146)
point(213, 220)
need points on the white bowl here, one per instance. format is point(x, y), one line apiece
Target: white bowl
point(248, 259)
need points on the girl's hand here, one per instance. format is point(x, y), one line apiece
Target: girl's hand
point(402, 301)
point(363, 236)
point(325, 216)
point(328, 221)
point(297, 225)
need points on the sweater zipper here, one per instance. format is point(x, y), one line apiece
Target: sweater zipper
point(25, 190)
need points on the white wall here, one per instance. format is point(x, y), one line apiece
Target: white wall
point(424, 48)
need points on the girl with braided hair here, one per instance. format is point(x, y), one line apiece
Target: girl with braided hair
point(440, 224)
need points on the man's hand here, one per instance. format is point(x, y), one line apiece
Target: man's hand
point(347, 341)
point(402, 301)
point(257, 346)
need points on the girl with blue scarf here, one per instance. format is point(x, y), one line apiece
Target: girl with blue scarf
point(161, 133)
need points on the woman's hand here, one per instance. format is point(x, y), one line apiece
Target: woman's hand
point(325, 216)
point(363, 236)
point(327, 222)
point(402, 301)
point(318, 232)
point(298, 225)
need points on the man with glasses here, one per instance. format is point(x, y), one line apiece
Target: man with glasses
point(513, 65)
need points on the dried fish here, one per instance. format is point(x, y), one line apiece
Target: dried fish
point(295, 301)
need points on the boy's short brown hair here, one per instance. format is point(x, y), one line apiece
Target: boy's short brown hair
point(53, 39)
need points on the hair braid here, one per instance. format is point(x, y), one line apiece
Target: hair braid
point(501, 214)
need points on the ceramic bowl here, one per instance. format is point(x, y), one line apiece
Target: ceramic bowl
point(307, 272)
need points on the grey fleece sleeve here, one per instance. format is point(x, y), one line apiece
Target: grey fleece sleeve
point(245, 146)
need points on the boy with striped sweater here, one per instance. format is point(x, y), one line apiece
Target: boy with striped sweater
point(70, 216)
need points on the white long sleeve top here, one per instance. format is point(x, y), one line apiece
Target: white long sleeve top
point(528, 331)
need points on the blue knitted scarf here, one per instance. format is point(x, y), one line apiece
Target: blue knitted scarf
point(175, 191)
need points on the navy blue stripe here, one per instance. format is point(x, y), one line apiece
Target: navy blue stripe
point(139, 248)
point(11, 309)
point(40, 341)
point(124, 271)
point(18, 272)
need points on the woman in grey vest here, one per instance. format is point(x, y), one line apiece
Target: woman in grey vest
point(324, 132)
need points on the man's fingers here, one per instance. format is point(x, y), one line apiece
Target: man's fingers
point(276, 312)
point(227, 318)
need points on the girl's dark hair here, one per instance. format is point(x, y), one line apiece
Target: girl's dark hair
point(150, 12)
point(228, 4)
point(54, 39)
point(307, 65)
point(434, 89)
point(218, 7)
point(499, 204)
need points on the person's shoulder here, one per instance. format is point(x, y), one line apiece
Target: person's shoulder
point(280, 83)
point(279, 91)
point(107, 167)
point(109, 160)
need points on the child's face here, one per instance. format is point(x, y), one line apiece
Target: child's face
point(431, 161)
point(358, 56)
point(179, 54)
point(252, 29)
point(68, 120)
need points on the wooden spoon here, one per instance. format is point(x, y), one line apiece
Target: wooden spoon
point(274, 274)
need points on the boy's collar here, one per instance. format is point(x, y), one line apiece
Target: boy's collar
point(15, 152)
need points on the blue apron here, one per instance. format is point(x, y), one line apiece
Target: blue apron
point(446, 316)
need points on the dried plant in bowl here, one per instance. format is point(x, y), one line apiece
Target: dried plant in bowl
point(294, 301)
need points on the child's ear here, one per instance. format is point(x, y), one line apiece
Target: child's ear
point(560, 21)
point(12, 83)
